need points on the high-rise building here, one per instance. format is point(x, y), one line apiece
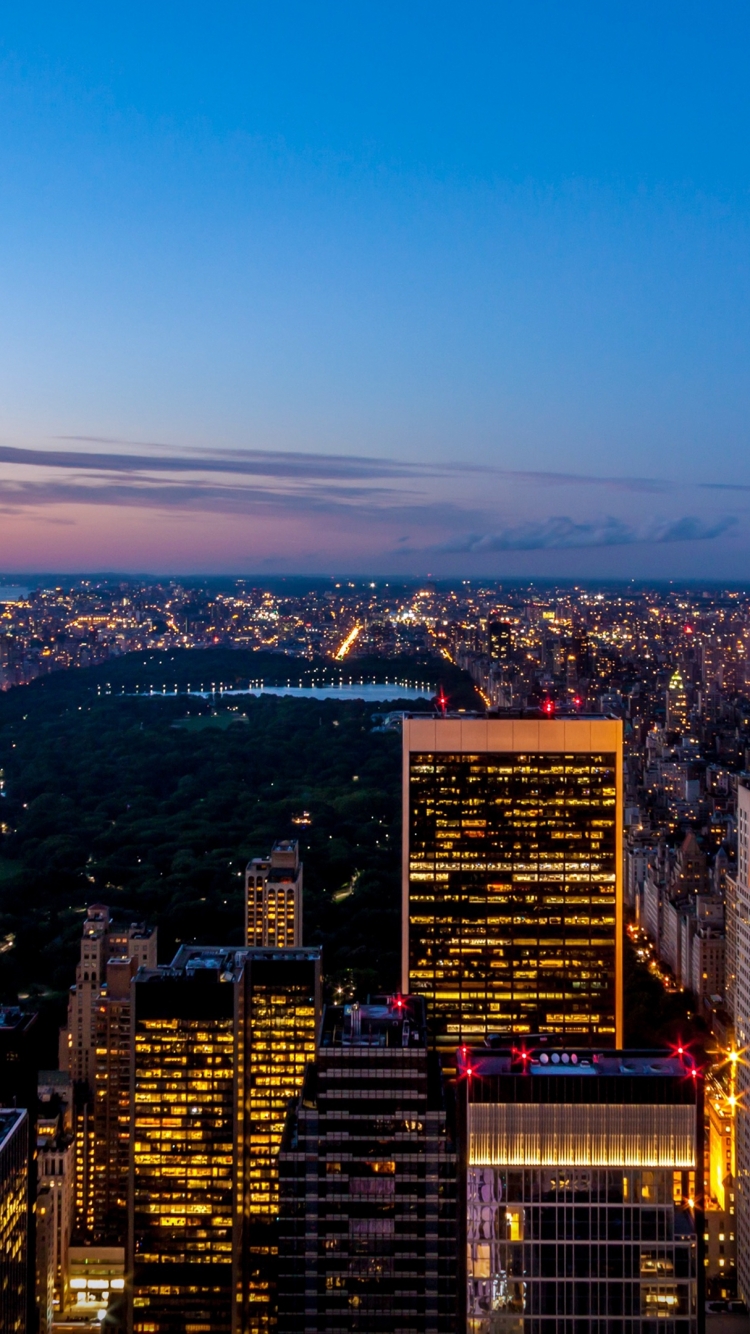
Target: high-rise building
point(500, 640)
point(221, 1040)
point(367, 1167)
point(512, 876)
point(677, 708)
point(281, 1016)
point(273, 898)
point(582, 1184)
point(112, 1103)
point(101, 941)
point(14, 1221)
point(55, 1174)
point(182, 1214)
point(738, 931)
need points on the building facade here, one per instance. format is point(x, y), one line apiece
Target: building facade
point(112, 1103)
point(221, 1040)
point(273, 898)
point(738, 909)
point(512, 876)
point(582, 1180)
point(15, 1266)
point(367, 1227)
point(101, 941)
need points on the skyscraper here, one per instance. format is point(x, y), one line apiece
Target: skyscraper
point(581, 1185)
point(273, 898)
point(222, 1037)
point(738, 931)
point(280, 1020)
point(14, 1221)
point(512, 876)
point(101, 941)
point(112, 1103)
point(367, 1226)
point(185, 1108)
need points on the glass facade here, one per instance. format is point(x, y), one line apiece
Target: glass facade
point(14, 1221)
point(222, 1039)
point(556, 1243)
point(184, 1144)
point(513, 892)
point(281, 1016)
point(554, 1251)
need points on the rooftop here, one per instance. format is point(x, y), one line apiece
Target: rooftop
point(10, 1120)
point(527, 1059)
point(389, 1021)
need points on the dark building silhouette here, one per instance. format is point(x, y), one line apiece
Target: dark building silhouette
point(367, 1174)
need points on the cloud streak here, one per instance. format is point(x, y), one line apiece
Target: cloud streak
point(562, 533)
point(285, 465)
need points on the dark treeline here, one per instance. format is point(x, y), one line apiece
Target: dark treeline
point(155, 805)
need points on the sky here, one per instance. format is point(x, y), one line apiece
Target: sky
point(380, 288)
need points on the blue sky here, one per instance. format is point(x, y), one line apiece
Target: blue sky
point(376, 288)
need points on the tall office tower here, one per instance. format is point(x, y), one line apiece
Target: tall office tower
point(500, 640)
point(367, 1168)
point(112, 1103)
point(14, 1221)
point(221, 1038)
point(677, 710)
point(581, 1180)
point(738, 929)
point(101, 940)
point(512, 876)
point(273, 898)
point(18, 1065)
point(281, 1017)
point(181, 1217)
point(55, 1172)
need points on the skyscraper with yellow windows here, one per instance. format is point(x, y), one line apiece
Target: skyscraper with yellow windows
point(512, 893)
point(273, 898)
point(221, 1039)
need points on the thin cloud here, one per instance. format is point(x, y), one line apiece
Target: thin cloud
point(562, 533)
point(289, 464)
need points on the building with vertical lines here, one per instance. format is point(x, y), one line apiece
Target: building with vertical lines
point(221, 1039)
point(738, 931)
point(273, 898)
point(368, 1179)
point(512, 876)
point(281, 1016)
point(14, 1221)
point(112, 1103)
point(581, 1191)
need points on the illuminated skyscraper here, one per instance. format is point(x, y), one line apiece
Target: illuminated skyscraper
point(182, 1215)
point(500, 640)
point(676, 703)
point(368, 1178)
point(512, 876)
point(738, 928)
point(281, 1016)
point(101, 941)
point(14, 1221)
point(581, 1192)
point(221, 1038)
point(112, 1103)
point(273, 898)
